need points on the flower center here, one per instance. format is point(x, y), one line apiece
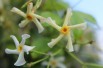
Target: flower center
point(65, 29)
point(20, 48)
point(53, 62)
point(29, 16)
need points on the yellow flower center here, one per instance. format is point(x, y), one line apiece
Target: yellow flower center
point(29, 16)
point(20, 48)
point(65, 30)
point(53, 62)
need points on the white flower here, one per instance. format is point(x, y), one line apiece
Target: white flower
point(30, 16)
point(55, 62)
point(20, 49)
point(65, 30)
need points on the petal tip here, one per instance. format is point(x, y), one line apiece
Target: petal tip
point(25, 36)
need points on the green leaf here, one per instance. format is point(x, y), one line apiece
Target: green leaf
point(41, 46)
point(54, 5)
point(54, 16)
point(80, 17)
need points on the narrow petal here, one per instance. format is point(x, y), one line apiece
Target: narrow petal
point(60, 59)
point(69, 44)
point(15, 40)
point(54, 41)
point(9, 51)
point(44, 63)
point(16, 10)
point(79, 26)
point(29, 7)
point(68, 16)
point(42, 19)
point(23, 23)
point(53, 24)
point(24, 37)
point(20, 61)
point(60, 65)
point(28, 48)
point(39, 26)
point(38, 3)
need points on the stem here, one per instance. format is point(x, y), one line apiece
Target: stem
point(40, 52)
point(48, 65)
point(76, 58)
point(56, 52)
point(32, 63)
point(83, 63)
point(92, 64)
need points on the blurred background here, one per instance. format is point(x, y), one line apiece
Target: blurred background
point(87, 43)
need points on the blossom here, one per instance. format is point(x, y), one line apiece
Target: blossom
point(20, 49)
point(65, 30)
point(30, 16)
point(55, 62)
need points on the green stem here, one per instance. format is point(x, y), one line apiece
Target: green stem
point(92, 64)
point(32, 63)
point(83, 63)
point(40, 52)
point(56, 52)
point(48, 65)
point(76, 58)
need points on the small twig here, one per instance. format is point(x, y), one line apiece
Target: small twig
point(76, 4)
point(84, 64)
point(94, 65)
point(76, 58)
point(33, 63)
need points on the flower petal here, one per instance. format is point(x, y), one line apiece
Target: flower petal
point(9, 51)
point(68, 16)
point(79, 26)
point(15, 40)
point(53, 24)
point(61, 65)
point(29, 7)
point(54, 41)
point(42, 19)
point(24, 37)
point(69, 44)
point(23, 23)
point(38, 3)
point(20, 61)
point(39, 26)
point(28, 48)
point(60, 59)
point(16, 10)
point(44, 63)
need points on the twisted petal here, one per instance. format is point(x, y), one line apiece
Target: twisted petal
point(24, 37)
point(15, 40)
point(68, 16)
point(69, 44)
point(20, 61)
point(79, 26)
point(44, 63)
point(23, 23)
point(61, 65)
point(53, 24)
point(38, 3)
point(9, 51)
point(60, 59)
point(39, 26)
point(42, 19)
point(54, 41)
point(16, 10)
point(28, 48)
point(29, 7)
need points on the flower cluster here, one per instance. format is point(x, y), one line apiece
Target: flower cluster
point(29, 16)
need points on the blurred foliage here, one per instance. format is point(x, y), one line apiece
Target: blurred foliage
point(56, 9)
